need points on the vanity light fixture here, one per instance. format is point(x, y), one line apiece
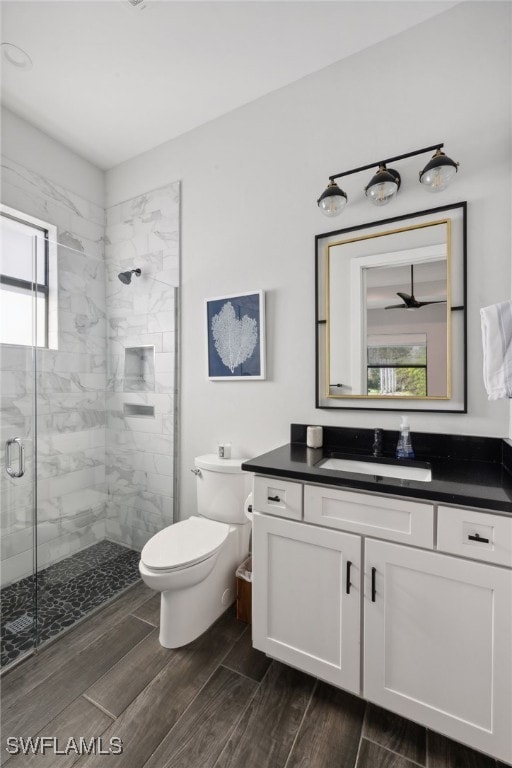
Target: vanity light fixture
point(384, 185)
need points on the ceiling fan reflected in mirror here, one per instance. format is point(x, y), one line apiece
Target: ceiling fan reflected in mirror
point(409, 301)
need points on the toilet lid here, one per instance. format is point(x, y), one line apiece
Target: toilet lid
point(184, 543)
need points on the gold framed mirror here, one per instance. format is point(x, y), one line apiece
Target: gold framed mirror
point(391, 313)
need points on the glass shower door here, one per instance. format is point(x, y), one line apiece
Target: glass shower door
point(21, 267)
point(87, 416)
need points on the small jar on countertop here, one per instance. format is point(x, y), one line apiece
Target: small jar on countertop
point(314, 437)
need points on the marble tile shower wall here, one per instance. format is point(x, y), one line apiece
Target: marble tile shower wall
point(143, 233)
point(71, 386)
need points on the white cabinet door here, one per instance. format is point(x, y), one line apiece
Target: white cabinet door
point(307, 598)
point(438, 643)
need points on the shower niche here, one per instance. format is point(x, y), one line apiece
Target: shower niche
point(139, 369)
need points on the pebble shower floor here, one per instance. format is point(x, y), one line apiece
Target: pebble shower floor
point(67, 591)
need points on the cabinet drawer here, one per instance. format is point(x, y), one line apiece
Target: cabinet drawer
point(393, 519)
point(274, 496)
point(479, 535)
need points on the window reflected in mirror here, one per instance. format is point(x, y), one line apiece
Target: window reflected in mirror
point(397, 365)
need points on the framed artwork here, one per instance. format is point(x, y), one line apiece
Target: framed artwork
point(235, 327)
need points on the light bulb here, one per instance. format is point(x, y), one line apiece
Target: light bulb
point(382, 193)
point(437, 179)
point(383, 186)
point(332, 206)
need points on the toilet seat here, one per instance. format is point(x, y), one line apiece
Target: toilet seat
point(184, 544)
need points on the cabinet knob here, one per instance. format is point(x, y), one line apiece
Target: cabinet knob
point(273, 498)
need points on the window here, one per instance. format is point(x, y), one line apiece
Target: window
point(397, 364)
point(26, 279)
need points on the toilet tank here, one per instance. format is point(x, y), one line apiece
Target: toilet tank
point(222, 488)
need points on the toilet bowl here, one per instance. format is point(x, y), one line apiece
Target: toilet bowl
point(193, 562)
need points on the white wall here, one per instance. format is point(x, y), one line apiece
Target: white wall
point(31, 148)
point(249, 185)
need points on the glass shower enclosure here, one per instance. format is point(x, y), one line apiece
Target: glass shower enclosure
point(87, 414)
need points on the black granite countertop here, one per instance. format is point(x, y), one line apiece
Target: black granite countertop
point(471, 475)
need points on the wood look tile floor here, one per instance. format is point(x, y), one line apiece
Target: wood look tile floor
point(217, 703)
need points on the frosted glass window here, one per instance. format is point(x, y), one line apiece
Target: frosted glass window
point(23, 246)
point(16, 317)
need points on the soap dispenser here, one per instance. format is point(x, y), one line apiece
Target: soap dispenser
point(404, 448)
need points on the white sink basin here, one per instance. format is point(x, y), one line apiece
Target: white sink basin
point(373, 468)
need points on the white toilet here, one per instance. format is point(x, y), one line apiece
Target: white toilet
point(193, 562)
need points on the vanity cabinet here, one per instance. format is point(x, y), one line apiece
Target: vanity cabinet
point(424, 633)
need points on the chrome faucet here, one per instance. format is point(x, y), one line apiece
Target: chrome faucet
point(378, 435)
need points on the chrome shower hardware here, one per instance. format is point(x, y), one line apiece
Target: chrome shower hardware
point(21, 457)
point(126, 277)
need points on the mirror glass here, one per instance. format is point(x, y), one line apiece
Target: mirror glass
point(391, 313)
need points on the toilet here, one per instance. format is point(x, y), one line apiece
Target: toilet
point(193, 562)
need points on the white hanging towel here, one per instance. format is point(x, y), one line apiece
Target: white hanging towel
point(497, 347)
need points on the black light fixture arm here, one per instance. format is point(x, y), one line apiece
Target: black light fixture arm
point(388, 160)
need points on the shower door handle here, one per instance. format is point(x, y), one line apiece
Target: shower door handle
point(21, 457)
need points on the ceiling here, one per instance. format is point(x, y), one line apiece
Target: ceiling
point(110, 81)
point(382, 283)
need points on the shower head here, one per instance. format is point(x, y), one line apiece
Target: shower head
point(126, 277)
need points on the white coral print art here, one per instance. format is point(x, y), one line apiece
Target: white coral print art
point(235, 338)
